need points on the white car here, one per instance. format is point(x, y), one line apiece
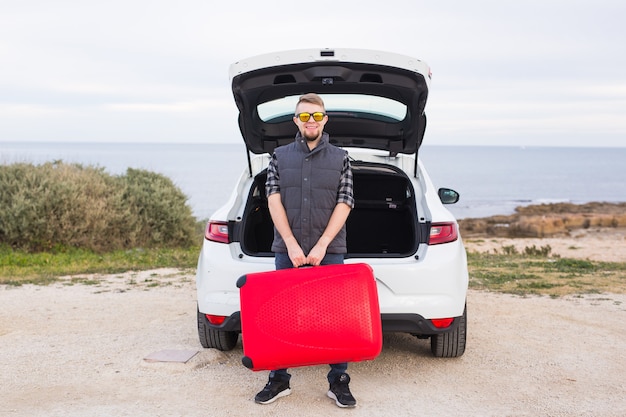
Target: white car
point(399, 226)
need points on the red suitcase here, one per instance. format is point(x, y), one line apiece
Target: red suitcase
point(309, 316)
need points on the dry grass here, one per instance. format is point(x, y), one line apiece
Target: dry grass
point(535, 272)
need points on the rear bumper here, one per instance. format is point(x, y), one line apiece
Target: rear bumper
point(397, 323)
point(231, 324)
point(410, 291)
point(414, 324)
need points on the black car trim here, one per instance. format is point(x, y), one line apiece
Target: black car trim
point(346, 129)
point(400, 323)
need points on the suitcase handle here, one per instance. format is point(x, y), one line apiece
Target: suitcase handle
point(242, 279)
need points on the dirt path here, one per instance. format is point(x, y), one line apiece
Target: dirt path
point(79, 351)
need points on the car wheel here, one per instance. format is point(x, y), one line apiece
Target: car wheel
point(451, 344)
point(215, 339)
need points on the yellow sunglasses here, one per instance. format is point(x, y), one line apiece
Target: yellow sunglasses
point(317, 116)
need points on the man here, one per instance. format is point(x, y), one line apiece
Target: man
point(310, 195)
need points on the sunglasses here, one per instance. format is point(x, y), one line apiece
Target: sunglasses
point(317, 116)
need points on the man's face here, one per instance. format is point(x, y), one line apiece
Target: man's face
point(310, 130)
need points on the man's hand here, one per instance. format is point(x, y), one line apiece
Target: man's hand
point(279, 217)
point(336, 222)
point(315, 256)
point(295, 253)
point(318, 252)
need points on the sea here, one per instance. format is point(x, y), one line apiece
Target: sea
point(490, 179)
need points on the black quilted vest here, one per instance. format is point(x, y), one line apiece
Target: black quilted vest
point(309, 181)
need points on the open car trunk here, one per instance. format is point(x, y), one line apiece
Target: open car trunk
point(383, 222)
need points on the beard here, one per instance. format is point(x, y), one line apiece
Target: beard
point(310, 136)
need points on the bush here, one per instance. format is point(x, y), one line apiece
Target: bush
point(56, 205)
point(544, 251)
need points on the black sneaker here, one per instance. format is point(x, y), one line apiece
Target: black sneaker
point(274, 389)
point(340, 392)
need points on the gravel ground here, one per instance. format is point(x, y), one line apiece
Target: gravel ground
point(78, 350)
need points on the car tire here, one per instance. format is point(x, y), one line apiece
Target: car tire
point(211, 338)
point(451, 344)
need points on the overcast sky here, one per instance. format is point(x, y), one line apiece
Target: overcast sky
point(524, 73)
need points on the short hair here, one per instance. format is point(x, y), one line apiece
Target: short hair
point(311, 98)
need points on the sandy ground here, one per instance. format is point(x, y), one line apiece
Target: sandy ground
point(600, 244)
point(78, 350)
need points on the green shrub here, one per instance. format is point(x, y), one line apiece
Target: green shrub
point(509, 250)
point(543, 251)
point(573, 265)
point(56, 205)
point(158, 209)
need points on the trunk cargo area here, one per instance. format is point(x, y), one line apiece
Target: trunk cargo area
point(383, 222)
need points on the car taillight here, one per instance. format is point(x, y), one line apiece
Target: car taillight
point(217, 232)
point(215, 320)
point(443, 233)
point(442, 323)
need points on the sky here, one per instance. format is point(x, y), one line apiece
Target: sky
point(525, 73)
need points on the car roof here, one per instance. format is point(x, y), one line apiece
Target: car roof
point(374, 99)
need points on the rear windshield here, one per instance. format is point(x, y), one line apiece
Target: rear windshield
point(365, 105)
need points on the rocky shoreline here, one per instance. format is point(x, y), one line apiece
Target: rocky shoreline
point(547, 220)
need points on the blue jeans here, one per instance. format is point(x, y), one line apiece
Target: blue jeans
point(282, 261)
